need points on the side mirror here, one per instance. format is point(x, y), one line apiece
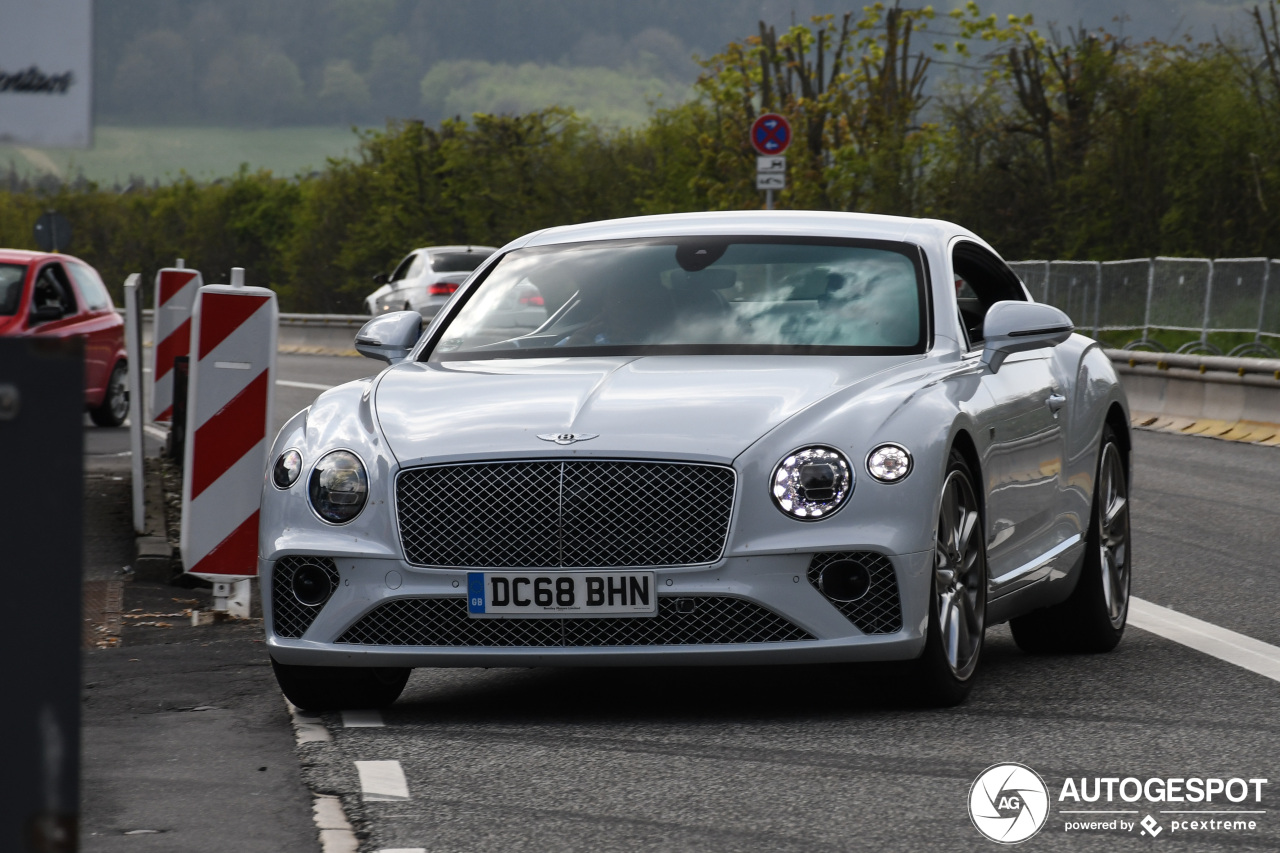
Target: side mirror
point(1011, 327)
point(390, 337)
point(45, 313)
point(380, 278)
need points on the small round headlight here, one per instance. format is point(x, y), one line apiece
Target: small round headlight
point(338, 487)
point(812, 483)
point(889, 463)
point(287, 468)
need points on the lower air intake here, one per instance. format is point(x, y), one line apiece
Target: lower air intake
point(878, 610)
point(290, 618)
point(704, 620)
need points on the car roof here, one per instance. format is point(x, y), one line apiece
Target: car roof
point(814, 223)
point(24, 256)
point(439, 250)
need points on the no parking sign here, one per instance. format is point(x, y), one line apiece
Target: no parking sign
point(770, 134)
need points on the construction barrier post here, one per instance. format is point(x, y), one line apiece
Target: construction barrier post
point(229, 402)
point(176, 289)
point(133, 348)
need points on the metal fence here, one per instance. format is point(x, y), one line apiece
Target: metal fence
point(1144, 295)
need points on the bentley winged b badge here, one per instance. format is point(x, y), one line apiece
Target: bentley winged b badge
point(568, 437)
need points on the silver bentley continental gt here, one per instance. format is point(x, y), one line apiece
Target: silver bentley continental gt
point(704, 439)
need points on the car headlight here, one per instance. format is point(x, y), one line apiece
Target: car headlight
point(889, 463)
point(812, 483)
point(338, 487)
point(287, 468)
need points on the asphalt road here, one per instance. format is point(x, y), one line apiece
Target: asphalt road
point(831, 758)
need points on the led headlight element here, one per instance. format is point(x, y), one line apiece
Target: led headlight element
point(889, 463)
point(338, 487)
point(812, 483)
point(287, 468)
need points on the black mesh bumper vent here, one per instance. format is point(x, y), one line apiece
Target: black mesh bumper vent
point(878, 610)
point(291, 618)
point(706, 620)
point(564, 514)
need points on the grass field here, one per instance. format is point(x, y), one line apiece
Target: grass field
point(167, 153)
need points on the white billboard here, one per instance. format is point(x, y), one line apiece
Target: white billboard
point(46, 73)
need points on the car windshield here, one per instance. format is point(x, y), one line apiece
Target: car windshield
point(694, 295)
point(11, 276)
point(457, 261)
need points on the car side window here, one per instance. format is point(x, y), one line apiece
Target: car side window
point(981, 280)
point(420, 262)
point(92, 290)
point(52, 289)
point(402, 271)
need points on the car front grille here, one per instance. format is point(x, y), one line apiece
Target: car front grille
point(878, 610)
point(564, 514)
point(291, 618)
point(701, 620)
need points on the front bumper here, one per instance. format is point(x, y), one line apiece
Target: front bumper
point(789, 619)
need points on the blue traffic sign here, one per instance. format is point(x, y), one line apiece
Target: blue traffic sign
point(770, 134)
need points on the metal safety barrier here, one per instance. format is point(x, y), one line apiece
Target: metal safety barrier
point(1200, 296)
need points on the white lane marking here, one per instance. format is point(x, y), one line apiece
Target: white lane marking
point(336, 832)
point(362, 720)
point(307, 728)
point(289, 383)
point(403, 850)
point(382, 781)
point(1253, 655)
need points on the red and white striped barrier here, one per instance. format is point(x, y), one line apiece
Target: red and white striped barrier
point(233, 365)
point(176, 289)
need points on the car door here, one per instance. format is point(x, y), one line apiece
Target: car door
point(102, 328)
point(51, 289)
point(399, 298)
point(1022, 465)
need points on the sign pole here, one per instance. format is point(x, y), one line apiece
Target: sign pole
point(770, 136)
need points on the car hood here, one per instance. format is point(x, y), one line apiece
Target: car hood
point(703, 407)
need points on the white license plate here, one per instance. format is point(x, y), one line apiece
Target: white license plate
point(561, 594)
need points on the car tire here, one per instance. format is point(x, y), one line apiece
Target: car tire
point(1093, 618)
point(115, 401)
point(946, 670)
point(332, 688)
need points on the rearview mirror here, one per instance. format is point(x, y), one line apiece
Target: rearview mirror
point(380, 278)
point(1011, 327)
point(390, 337)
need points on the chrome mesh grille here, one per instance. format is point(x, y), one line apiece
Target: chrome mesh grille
point(564, 514)
point(879, 610)
point(702, 620)
point(291, 618)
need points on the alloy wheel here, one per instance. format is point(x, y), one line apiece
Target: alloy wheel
point(959, 575)
point(1113, 533)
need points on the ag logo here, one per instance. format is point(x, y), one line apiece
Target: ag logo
point(1009, 803)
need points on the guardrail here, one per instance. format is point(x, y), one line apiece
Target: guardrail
point(1221, 388)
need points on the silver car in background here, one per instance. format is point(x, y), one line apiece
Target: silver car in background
point(426, 279)
point(705, 439)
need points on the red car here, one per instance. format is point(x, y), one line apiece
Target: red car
point(58, 296)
